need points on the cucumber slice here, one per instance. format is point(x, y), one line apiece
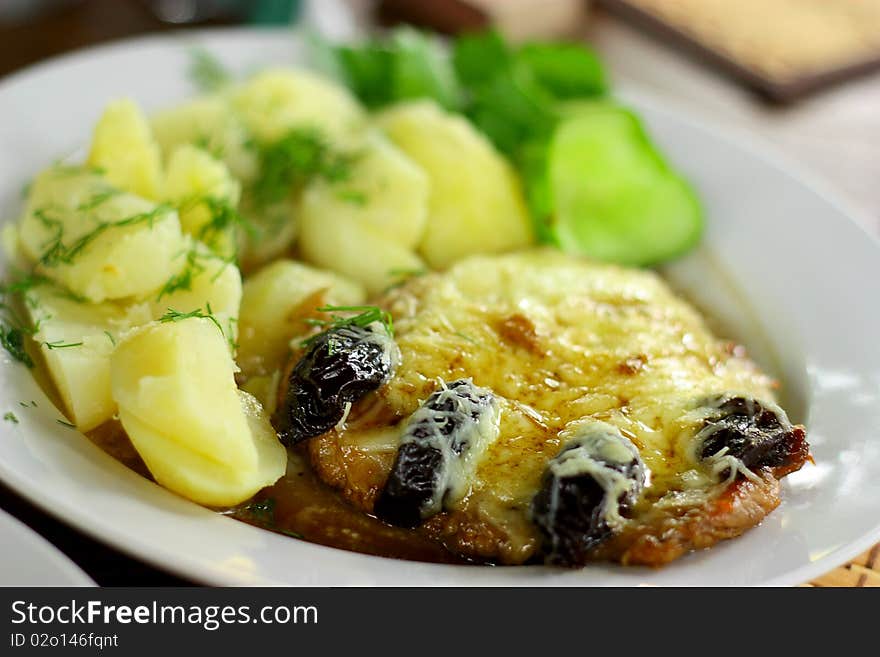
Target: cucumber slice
point(614, 196)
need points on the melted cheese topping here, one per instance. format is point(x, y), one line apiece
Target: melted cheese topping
point(558, 339)
point(592, 445)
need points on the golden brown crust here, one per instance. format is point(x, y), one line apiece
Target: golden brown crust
point(596, 342)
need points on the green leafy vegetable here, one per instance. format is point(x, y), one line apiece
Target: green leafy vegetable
point(564, 70)
point(407, 65)
point(421, 69)
point(479, 57)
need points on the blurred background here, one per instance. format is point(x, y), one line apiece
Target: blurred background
point(801, 75)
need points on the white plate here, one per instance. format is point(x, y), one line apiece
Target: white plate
point(30, 560)
point(782, 265)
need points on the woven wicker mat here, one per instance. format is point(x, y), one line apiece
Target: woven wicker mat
point(861, 571)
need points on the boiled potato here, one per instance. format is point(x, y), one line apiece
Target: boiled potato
point(99, 242)
point(354, 250)
point(274, 303)
point(277, 100)
point(205, 195)
point(274, 230)
point(76, 340)
point(385, 191)
point(203, 281)
point(124, 148)
point(209, 123)
point(197, 433)
point(476, 205)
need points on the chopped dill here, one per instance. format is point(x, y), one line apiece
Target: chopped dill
point(224, 217)
point(110, 337)
point(58, 344)
point(12, 340)
point(352, 196)
point(184, 278)
point(365, 316)
point(206, 144)
point(172, 315)
point(193, 266)
point(60, 253)
point(292, 161)
point(207, 72)
point(13, 328)
point(10, 417)
point(97, 199)
point(65, 423)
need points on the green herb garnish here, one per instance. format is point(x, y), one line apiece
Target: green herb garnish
point(352, 196)
point(206, 72)
point(10, 417)
point(97, 200)
point(365, 316)
point(172, 315)
point(14, 329)
point(225, 218)
point(65, 423)
point(60, 253)
point(289, 163)
point(58, 344)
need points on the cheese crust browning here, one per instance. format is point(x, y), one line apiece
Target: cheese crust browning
point(560, 341)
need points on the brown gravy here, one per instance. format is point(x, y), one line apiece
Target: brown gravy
point(302, 507)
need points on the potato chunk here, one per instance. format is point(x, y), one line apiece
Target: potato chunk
point(476, 205)
point(385, 191)
point(277, 100)
point(124, 148)
point(202, 282)
point(197, 433)
point(274, 303)
point(205, 195)
point(96, 240)
point(77, 340)
point(209, 123)
point(357, 251)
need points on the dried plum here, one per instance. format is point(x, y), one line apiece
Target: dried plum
point(596, 476)
point(440, 446)
point(340, 367)
point(757, 434)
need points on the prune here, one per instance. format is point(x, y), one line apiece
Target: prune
point(340, 367)
point(439, 449)
point(598, 474)
point(757, 434)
